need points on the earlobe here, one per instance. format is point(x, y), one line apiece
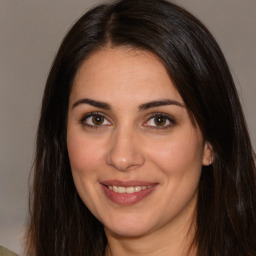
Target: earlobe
point(208, 154)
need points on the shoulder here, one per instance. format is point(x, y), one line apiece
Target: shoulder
point(5, 252)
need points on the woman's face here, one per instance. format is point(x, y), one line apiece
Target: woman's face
point(135, 155)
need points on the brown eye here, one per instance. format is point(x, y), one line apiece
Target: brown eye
point(160, 120)
point(95, 120)
point(98, 120)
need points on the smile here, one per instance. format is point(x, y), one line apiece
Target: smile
point(128, 190)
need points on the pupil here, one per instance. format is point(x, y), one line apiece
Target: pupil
point(97, 120)
point(160, 121)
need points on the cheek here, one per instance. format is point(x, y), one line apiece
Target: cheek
point(84, 155)
point(180, 161)
point(178, 155)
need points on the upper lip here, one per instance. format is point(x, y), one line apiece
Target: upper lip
point(128, 183)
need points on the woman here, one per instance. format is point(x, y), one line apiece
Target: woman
point(142, 147)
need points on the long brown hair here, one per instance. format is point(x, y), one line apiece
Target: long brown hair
point(60, 224)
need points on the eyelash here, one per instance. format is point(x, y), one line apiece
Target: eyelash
point(154, 115)
point(161, 115)
point(93, 114)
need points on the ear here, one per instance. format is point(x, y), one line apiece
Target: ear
point(207, 154)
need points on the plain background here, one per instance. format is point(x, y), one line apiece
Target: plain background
point(30, 33)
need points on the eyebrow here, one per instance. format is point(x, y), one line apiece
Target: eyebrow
point(95, 103)
point(144, 106)
point(158, 103)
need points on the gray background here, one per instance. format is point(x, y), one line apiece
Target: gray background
point(30, 33)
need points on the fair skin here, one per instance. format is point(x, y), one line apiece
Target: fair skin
point(135, 155)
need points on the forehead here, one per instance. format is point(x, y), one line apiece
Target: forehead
point(122, 72)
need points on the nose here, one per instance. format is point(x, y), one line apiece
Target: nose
point(125, 151)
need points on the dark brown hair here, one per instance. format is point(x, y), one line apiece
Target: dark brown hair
point(60, 224)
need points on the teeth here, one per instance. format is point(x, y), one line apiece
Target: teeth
point(137, 188)
point(121, 190)
point(128, 190)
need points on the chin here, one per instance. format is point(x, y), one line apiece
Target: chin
point(128, 227)
point(125, 232)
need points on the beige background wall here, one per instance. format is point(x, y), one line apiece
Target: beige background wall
point(30, 33)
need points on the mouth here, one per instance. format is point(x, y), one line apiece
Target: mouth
point(127, 192)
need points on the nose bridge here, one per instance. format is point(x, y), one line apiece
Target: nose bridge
point(125, 152)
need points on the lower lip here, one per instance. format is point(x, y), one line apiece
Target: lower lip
point(125, 198)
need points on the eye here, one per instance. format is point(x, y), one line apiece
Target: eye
point(94, 120)
point(160, 121)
